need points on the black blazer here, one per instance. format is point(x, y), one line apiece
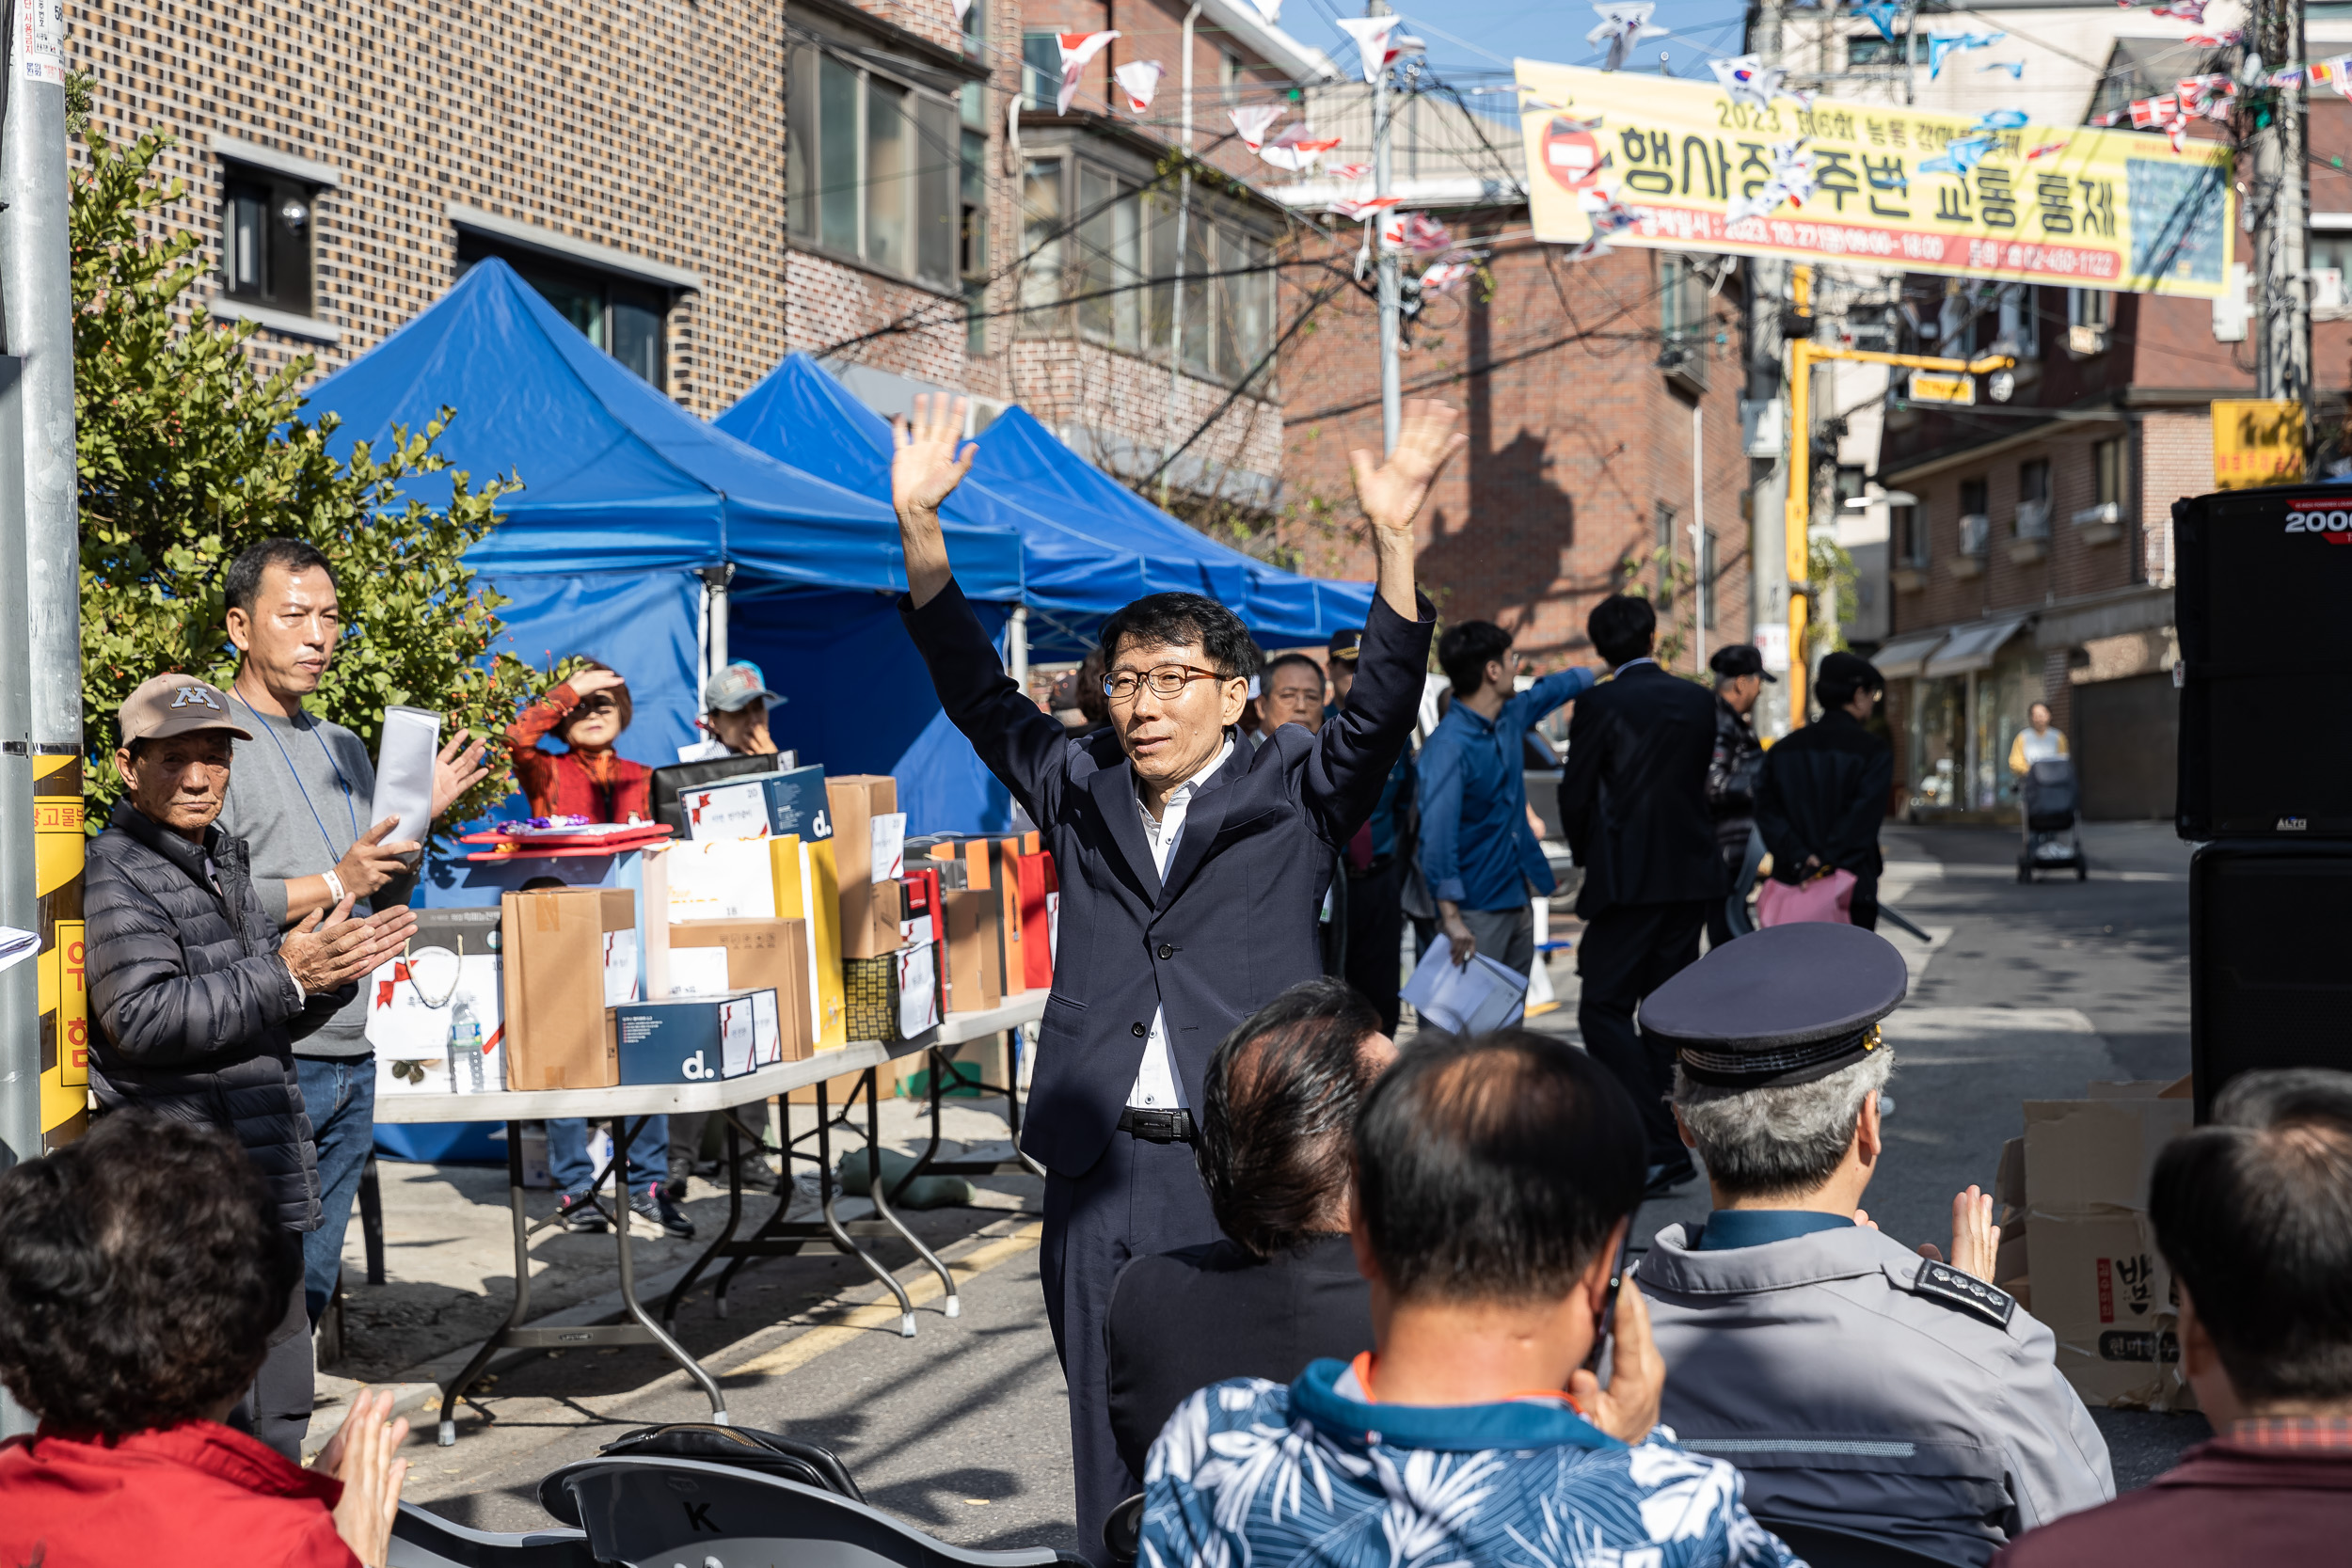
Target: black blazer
point(1181, 1321)
point(1633, 796)
point(1823, 792)
point(1234, 925)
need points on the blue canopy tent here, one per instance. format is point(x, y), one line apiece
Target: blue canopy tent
point(626, 495)
point(1281, 609)
point(1089, 544)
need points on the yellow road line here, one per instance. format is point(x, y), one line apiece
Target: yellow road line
point(861, 1321)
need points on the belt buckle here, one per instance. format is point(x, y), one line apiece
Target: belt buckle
point(1156, 1127)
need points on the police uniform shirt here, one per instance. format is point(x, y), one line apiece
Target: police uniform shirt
point(1858, 1386)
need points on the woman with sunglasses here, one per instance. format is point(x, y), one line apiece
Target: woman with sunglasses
point(587, 713)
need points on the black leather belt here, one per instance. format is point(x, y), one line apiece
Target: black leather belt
point(1157, 1127)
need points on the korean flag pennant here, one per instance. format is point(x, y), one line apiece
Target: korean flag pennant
point(1138, 80)
point(1253, 121)
point(1623, 25)
point(1077, 50)
point(1748, 80)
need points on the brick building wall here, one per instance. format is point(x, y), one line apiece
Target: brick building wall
point(1575, 440)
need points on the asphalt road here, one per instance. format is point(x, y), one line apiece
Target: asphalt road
point(2026, 992)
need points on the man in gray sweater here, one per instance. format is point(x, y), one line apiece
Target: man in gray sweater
point(298, 796)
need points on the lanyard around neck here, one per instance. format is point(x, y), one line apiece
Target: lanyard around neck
point(341, 783)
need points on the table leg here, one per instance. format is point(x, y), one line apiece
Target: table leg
point(833, 1220)
point(455, 1390)
point(621, 1134)
point(727, 1233)
point(874, 1185)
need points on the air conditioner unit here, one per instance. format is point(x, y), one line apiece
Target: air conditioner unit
point(1763, 427)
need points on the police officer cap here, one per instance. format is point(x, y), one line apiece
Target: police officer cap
point(1734, 660)
point(1786, 1005)
point(1853, 670)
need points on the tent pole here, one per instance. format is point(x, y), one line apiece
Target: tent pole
point(1017, 647)
point(715, 618)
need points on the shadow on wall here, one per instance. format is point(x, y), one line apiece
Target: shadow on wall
point(1482, 559)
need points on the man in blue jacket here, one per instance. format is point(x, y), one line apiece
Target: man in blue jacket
point(1484, 865)
point(1192, 868)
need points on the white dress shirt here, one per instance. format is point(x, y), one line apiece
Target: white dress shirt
point(1156, 1087)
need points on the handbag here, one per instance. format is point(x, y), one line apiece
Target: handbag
point(1826, 899)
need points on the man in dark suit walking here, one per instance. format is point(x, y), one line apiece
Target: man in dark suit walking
point(1824, 791)
point(1633, 806)
point(1192, 868)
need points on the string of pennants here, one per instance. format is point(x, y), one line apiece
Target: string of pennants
point(2209, 97)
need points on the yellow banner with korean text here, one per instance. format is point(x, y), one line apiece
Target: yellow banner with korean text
point(1682, 166)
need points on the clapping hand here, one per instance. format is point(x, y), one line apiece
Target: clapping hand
point(362, 1456)
point(1392, 492)
point(1976, 1240)
point(327, 951)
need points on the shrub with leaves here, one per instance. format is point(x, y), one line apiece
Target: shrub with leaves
point(188, 454)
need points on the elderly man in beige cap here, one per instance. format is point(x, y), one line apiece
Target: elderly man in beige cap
point(198, 996)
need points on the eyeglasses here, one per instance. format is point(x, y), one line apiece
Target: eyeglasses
point(597, 704)
point(1166, 681)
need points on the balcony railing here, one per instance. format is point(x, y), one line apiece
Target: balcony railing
point(2033, 519)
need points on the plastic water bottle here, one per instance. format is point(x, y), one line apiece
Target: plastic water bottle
point(465, 1051)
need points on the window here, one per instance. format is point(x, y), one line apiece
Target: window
point(265, 240)
point(1873, 49)
point(1118, 269)
point(1976, 522)
point(1041, 70)
point(1683, 320)
point(625, 319)
point(975, 27)
point(873, 169)
point(2020, 320)
point(2033, 499)
point(2106, 471)
point(1230, 80)
point(972, 217)
point(1910, 534)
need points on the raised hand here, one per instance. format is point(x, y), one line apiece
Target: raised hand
point(1976, 1240)
point(326, 951)
point(925, 471)
point(459, 768)
point(925, 467)
point(370, 863)
point(1392, 492)
point(362, 1455)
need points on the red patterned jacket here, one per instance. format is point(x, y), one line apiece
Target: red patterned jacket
point(602, 787)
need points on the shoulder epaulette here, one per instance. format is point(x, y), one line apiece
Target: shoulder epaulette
point(1958, 1289)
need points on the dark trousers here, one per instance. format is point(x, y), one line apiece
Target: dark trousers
point(1718, 916)
point(1863, 908)
point(1139, 1198)
point(277, 1408)
point(570, 1168)
point(1624, 953)
point(1375, 938)
point(340, 1093)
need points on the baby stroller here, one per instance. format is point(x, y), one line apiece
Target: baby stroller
point(2051, 802)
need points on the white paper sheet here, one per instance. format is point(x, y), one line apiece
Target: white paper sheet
point(17, 946)
point(698, 972)
point(404, 772)
point(890, 846)
point(1465, 999)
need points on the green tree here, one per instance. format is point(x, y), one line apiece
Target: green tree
point(188, 454)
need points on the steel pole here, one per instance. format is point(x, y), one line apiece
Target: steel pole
point(1768, 477)
point(1391, 286)
point(1176, 293)
point(1698, 539)
point(2282, 180)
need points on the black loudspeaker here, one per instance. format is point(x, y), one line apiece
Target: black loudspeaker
point(2264, 592)
point(2269, 931)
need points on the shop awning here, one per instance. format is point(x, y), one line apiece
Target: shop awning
point(1973, 646)
point(1902, 655)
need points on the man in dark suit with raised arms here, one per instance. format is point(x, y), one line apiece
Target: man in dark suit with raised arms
point(1633, 807)
point(1191, 870)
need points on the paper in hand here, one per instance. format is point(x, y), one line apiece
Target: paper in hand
point(404, 764)
point(1465, 999)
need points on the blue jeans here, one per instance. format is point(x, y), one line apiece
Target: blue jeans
point(340, 1093)
point(571, 1170)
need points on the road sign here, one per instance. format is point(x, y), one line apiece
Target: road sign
point(1928, 386)
point(2256, 441)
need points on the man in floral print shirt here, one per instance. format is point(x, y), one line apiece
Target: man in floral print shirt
point(1495, 1181)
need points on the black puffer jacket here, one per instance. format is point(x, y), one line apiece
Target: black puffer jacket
point(197, 1014)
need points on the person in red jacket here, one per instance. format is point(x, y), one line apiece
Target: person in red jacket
point(587, 713)
point(2253, 1213)
point(141, 1271)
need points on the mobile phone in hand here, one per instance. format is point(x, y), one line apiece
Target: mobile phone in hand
point(1609, 1303)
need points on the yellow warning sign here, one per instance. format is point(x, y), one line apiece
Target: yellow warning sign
point(1928, 386)
point(64, 1088)
point(2256, 441)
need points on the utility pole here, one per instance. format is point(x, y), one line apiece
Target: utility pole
point(1176, 293)
point(2282, 235)
point(1768, 569)
point(43, 1018)
point(1392, 287)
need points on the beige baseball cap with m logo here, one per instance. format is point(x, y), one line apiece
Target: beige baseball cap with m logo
point(166, 706)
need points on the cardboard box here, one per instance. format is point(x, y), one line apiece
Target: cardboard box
point(869, 913)
point(554, 942)
point(2101, 1287)
point(807, 888)
point(690, 1040)
point(975, 978)
point(755, 955)
point(2084, 1156)
point(1002, 855)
